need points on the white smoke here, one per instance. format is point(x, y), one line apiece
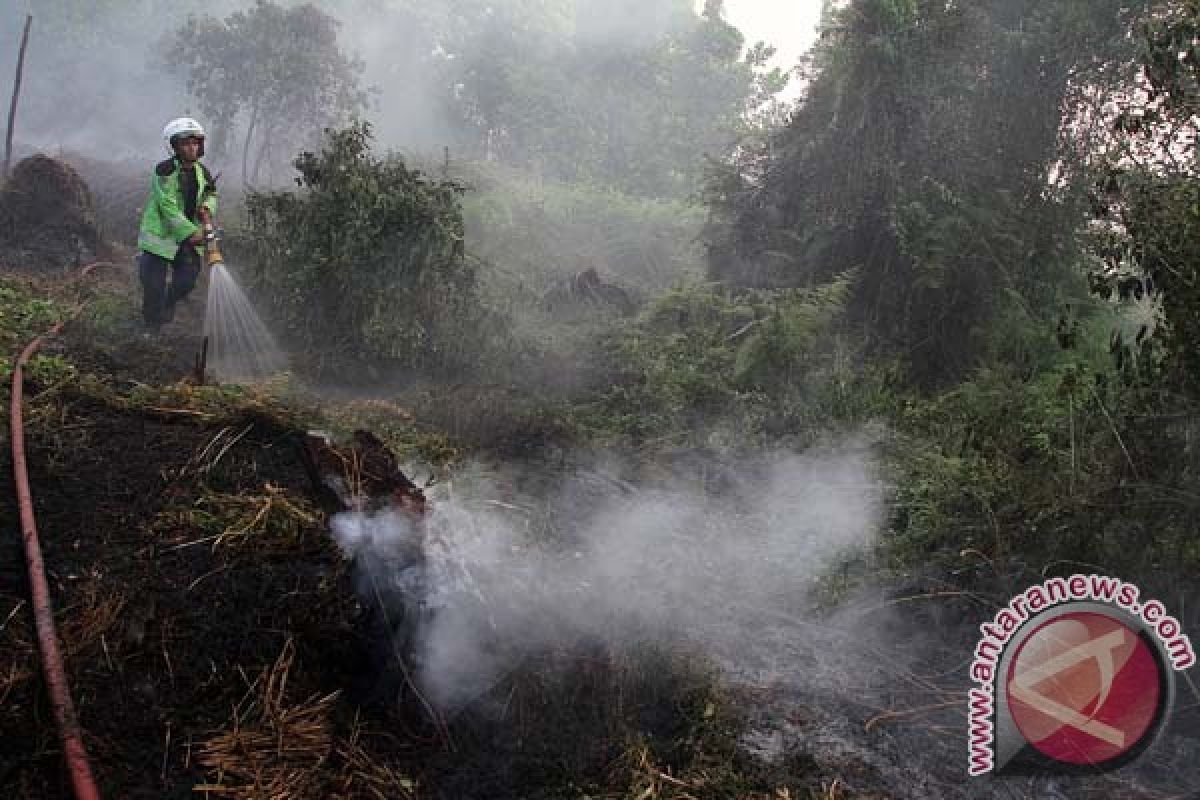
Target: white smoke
point(485, 582)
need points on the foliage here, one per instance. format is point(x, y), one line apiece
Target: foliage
point(927, 155)
point(24, 314)
point(277, 71)
point(920, 155)
point(397, 428)
point(626, 94)
point(48, 370)
point(711, 366)
point(1023, 475)
point(1147, 204)
point(365, 265)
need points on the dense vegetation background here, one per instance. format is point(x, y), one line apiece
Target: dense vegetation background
point(973, 226)
point(550, 227)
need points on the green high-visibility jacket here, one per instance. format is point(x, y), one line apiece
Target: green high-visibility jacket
point(165, 226)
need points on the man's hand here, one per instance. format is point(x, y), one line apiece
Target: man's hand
point(196, 238)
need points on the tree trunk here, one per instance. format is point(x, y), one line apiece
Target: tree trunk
point(262, 151)
point(12, 109)
point(246, 147)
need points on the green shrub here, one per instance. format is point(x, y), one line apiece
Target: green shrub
point(727, 368)
point(23, 315)
point(1031, 473)
point(365, 266)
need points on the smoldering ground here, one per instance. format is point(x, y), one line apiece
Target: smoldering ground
point(510, 565)
point(517, 566)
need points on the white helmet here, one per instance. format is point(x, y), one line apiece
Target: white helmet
point(184, 126)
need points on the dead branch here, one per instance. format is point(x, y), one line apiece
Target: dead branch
point(12, 109)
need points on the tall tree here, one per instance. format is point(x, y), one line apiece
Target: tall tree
point(630, 94)
point(920, 155)
point(277, 71)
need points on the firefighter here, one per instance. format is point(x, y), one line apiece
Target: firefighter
point(171, 237)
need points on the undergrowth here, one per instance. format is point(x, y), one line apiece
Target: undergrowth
point(27, 311)
point(703, 366)
point(1039, 462)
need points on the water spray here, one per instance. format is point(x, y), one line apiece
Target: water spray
point(236, 344)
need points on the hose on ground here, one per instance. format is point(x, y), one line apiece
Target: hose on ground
point(70, 733)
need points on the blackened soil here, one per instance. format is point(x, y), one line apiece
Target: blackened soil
point(165, 628)
point(157, 631)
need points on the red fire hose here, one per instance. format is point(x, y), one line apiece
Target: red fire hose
point(52, 666)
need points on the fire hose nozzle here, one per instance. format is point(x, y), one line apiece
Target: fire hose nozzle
point(212, 250)
point(212, 253)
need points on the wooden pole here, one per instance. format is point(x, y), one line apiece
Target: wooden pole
point(12, 109)
point(201, 363)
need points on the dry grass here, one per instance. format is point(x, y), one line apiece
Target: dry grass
point(363, 776)
point(80, 627)
point(648, 781)
point(376, 408)
point(272, 518)
point(16, 644)
point(84, 625)
point(397, 426)
point(275, 520)
point(644, 779)
point(273, 750)
point(277, 749)
point(271, 403)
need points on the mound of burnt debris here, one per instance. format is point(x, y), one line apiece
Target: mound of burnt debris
point(47, 217)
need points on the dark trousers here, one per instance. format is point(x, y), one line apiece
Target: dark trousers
point(159, 298)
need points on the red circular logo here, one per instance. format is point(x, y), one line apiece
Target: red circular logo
point(1084, 688)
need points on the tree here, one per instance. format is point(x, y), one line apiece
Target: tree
point(628, 94)
point(921, 154)
point(1148, 200)
point(277, 73)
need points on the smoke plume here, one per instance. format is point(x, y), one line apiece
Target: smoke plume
point(485, 582)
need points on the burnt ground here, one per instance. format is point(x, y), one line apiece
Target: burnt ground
point(155, 629)
point(213, 641)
